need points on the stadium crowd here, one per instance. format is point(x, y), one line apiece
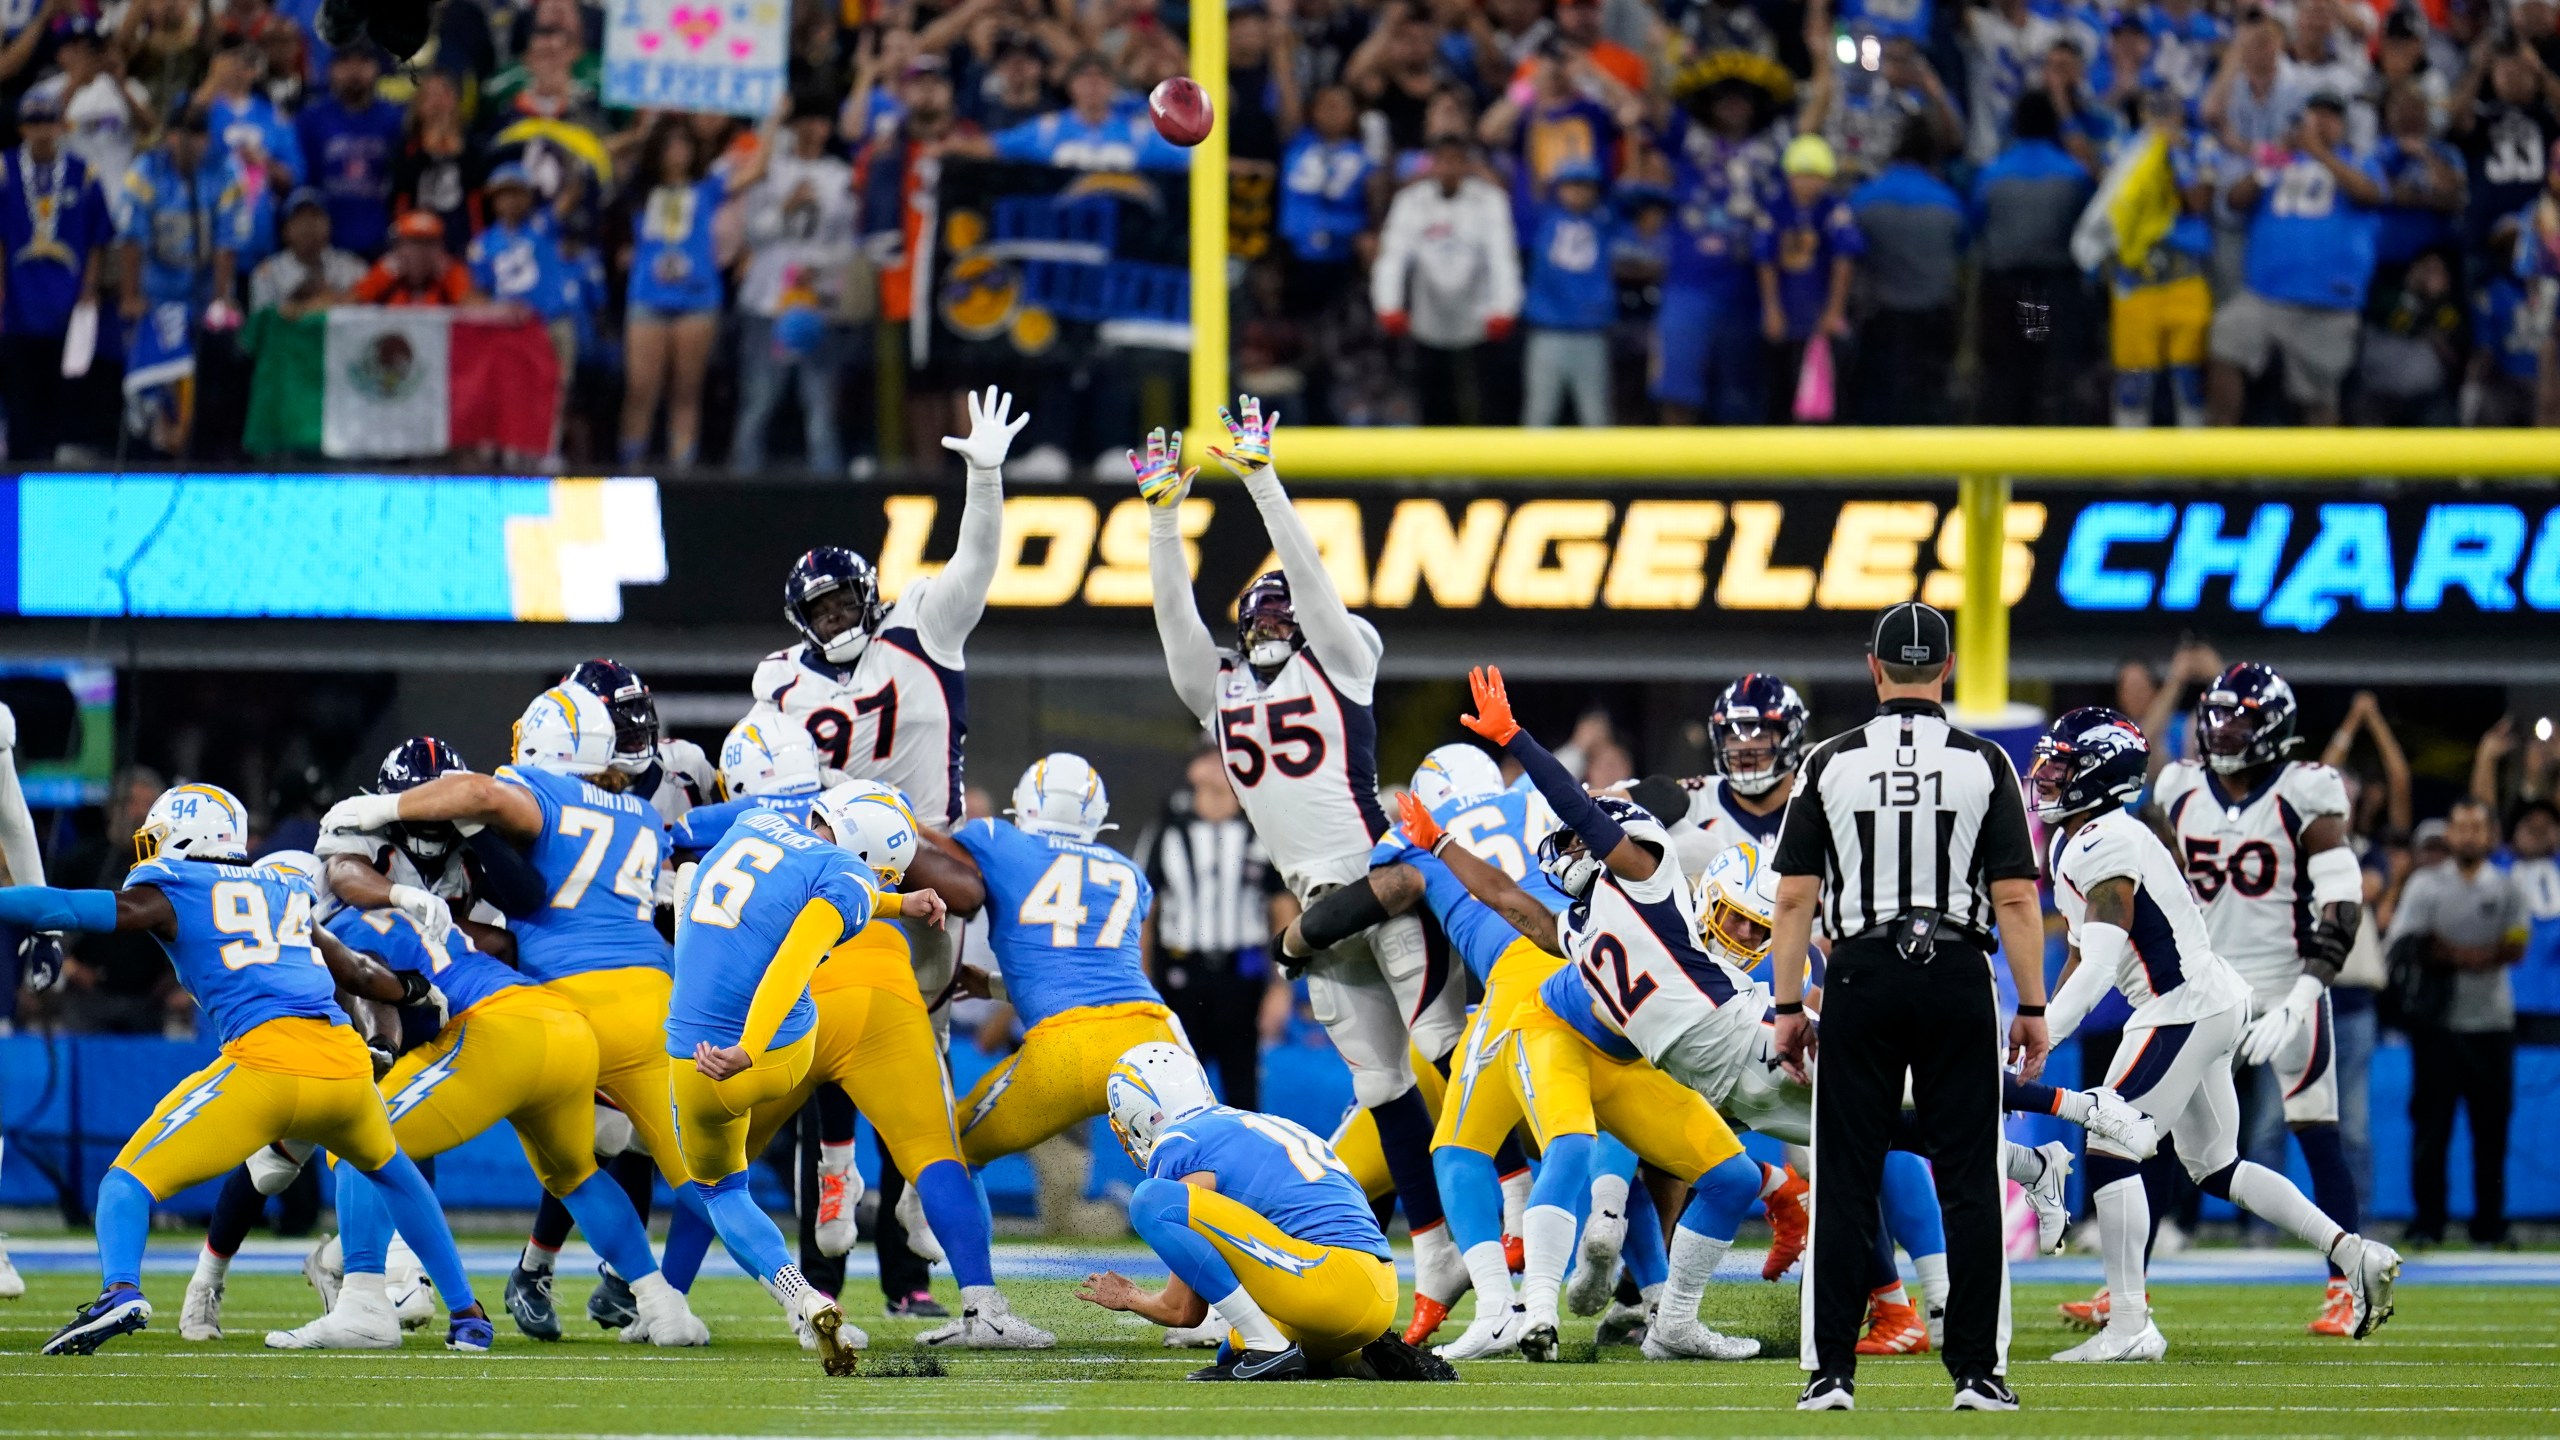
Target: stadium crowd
point(1896, 211)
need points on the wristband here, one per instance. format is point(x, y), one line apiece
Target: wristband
point(2030, 1012)
point(1789, 1007)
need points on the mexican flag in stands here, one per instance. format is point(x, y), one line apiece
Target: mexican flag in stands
point(363, 382)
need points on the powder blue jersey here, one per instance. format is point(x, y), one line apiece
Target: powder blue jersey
point(1494, 829)
point(747, 895)
point(2310, 243)
point(1276, 1168)
point(244, 946)
point(466, 974)
point(1066, 916)
point(703, 825)
point(1324, 197)
point(598, 852)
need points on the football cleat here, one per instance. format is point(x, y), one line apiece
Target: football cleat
point(1389, 1358)
point(1538, 1338)
point(2046, 1197)
point(1595, 1265)
point(919, 1306)
point(471, 1333)
point(1693, 1340)
point(1289, 1364)
point(990, 1325)
point(1789, 1224)
point(1204, 1336)
point(1515, 1253)
point(529, 1301)
point(324, 1270)
point(2112, 1344)
point(1894, 1330)
point(117, 1312)
point(1489, 1336)
point(1827, 1392)
point(358, 1322)
point(2374, 1271)
point(200, 1318)
point(1625, 1324)
point(12, 1284)
point(2089, 1314)
point(835, 1212)
point(836, 1351)
point(1427, 1317)
point(661, 1316)
point(610, 1305)
point(2337, 1312)
point(412, 1294)
point(1984, 1393)
point(2114, 1119)
point(919, 1230)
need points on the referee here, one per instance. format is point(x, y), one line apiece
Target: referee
point(1910, 837)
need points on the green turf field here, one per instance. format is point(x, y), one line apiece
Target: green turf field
point(2469, 1361)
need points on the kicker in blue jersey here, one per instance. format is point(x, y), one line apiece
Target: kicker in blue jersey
point(1275, 1168)
point(747, 895)
point(599, 852)
point(244, 946)
point(1495, 829)
point(704, 825)
point(1066, 916)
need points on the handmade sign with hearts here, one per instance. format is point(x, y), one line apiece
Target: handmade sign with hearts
point(725, 56)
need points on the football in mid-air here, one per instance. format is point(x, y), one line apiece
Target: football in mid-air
point(1181, 110)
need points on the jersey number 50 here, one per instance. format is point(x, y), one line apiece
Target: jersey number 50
point(1282, 724)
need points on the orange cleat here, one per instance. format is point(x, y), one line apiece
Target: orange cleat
point(1894, 1330)
point(1788, 1224)
point(1427, 1315)
point(2089, 1314)
point(1515, 1253)
point(2337, 1312)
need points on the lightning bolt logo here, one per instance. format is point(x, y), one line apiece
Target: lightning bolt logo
point(1264, 1252)
point(422, 1084)
point(987, 1104)
point(188, 1108)
point(1478, 1058)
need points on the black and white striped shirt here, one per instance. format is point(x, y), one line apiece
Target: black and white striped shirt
point(1213, 885)
point(1906, 813)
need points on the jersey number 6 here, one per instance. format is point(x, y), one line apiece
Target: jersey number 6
point(1282, 723)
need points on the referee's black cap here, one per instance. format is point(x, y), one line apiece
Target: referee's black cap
point(1912, 634)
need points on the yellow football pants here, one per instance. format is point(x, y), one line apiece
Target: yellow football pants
point(1479, 1124)
point(523, 1055)
point(1563, 1086)
point(290, 1079)
point(1056, 1079)
point(627, 1010)
point(1326, 1299)
point(711, 1116)
point(876, 1042)
point(2159, 326)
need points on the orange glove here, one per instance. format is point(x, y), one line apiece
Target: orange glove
point(1492, 719)
point(1395, 323)
point(1419, 827)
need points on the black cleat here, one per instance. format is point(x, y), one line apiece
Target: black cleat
point(612, 1305)
point(529, 1301)
point(1540, 1342)
point(1984, 1393)
point(1389, 1358)
point(114, 1313)
point(1828, 1392)
point(1289, 1364)
point(919, 1306)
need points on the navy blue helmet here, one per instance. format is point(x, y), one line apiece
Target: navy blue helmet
point(2088, 759)
point(2246, 718)
point(1570, 863)
point(1756, 710)
point(626, 697)
point(412, 763)
point(833, 599)
point(1267, 622)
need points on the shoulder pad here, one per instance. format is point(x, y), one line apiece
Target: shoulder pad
point(2105, 849)
point(2313, 789)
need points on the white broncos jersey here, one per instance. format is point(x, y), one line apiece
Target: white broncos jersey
point(1634, 947)
point(899, 714)
point(2244, 857)
point(1716, 822)
point(2170, 971)
point(1303, 753)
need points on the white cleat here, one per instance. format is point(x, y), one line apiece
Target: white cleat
point(2114, 1344)
point(404, 1275)
point(988, 1325)
point(1692, 1340)
point(1540, 1339)
point(2114, 1119)
point(12, 1284)
point(666, 1320)
point(325, 1268)
point(357, 1323)
point(201, 1317)
point(919, 1230)
point(2370, 1276)
point(2046, 1198)
point(1588, 1290)
point(837, 1349)
point(1624, 1324)
point(1204, 1336)
point(839, 1196)
point(1488, 1336)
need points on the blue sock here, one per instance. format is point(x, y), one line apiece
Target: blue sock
point(604, 1213)
point(746, 1231)
point(1564, 1178)
point(952, 1206)
point(124, 1227)
point(2027, 1097)
point(1160, 1211)
point(1471, 1193)
point(1722, 1197)
point(2333, 1186)
point(421, 1220)
point(1911, 1213)
point(1610, 1156)
point(1404, 1137)
point(1648, 1263)
point(2161, 1176)
point(364, 1226)
point(689, 1235)
point(236, 1211)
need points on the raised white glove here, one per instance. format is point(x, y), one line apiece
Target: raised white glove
point(362, 812)
point(992, 426)
point(424, 908)
point(2267, 1035)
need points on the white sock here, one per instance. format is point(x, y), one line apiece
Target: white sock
point(1892, 1294)
point(537, 1259)
point(1694, 1258)
point(360, 1291)
point(1800, 1158)
point(649, 1285)
point(1548, 1231)
point(211, 1268)
point(2272, 1198)
point(1651, 1295)
point(789, 1286)
point(2020, 1163)
point(1771, 1179)
point(2124, 1226)
point(1515, 1199)
point(1491, 1270)
point(1609, 1196)
point(1245, 1318)
point(1438, 1269)
point(2073, 1105)
point(1932, 1270)
point(835, 1159)
point(984, 1299)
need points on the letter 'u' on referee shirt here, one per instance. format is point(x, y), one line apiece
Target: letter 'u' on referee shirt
point(1905, 813)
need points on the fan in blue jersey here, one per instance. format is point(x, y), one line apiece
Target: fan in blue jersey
point(771, 899)
point(243, 946)
point(1260, 1222)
